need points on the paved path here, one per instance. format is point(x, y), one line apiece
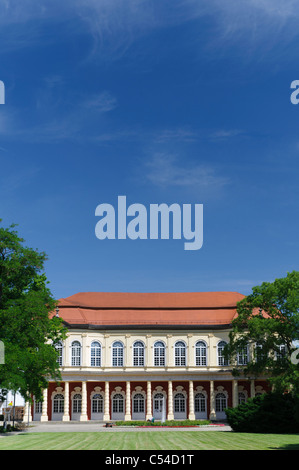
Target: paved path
point(100, 427)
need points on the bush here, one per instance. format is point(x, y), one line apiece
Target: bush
point(268, 413)
point(185, 422)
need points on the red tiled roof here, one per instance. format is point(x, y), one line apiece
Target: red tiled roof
point(136, 309)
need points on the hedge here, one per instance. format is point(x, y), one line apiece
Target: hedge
point(267, 413)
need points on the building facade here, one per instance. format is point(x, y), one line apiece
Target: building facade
point(138, 356)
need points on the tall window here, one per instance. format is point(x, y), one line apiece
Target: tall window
point(77, 401)
point(58, 403)
point(201, 353)
point(179, 403)
point(76, 353)
point(138, 354)
point(241, 398)
point(118, 403)
point(117, 354)
point(221, 402)
point(242, 356)
point(58, 348)
point(260, 354)
point(38, 406)
point(97, 403)
point(138, 403)
point(180, 353)
point(159, 353)
point(95, 354)
point(222, 361)
point(282, 352)
point(199, 403)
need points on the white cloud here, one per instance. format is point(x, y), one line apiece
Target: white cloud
point(115, 25)
point(58, 117)
point(164, 170)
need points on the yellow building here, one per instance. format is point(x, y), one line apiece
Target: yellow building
point(134, 356)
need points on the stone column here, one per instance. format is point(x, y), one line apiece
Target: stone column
point(27, 412)
point(149, 401)
point(44, 416)
point(128, 416)
point(170, 415)
point(106, 416)
point(252, 388)
point(66, 413)
point(191, 400)
point(212, 401)
point(235, 393)
point(83, 416)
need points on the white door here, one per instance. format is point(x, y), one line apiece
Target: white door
point(158, 405)
point(76, 407)
point(57, 407)
point(221, 404)
point(200, 406)
point(138, 407)
point(180, 411)
point(118, 407)
point(97, 407)
point(37, 410)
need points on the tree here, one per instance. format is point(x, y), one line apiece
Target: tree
point(263, 333)
point(27, 330)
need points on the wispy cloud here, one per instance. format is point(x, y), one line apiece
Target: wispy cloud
point(115, 25)
point(57, 118)
point(164, 170)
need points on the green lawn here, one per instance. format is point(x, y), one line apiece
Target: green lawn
point(164, 440)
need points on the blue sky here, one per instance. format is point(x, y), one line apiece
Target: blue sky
point(164, 102)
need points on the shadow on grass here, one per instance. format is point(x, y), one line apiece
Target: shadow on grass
point(286, 447)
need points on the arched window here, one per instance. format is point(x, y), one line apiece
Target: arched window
point(179, 403)
point(38, 407)
point(138, 403)
point(118, 403)
point(201, 353)
point(117, 354)
point(222, 361)
point(159, 353)
point(76, 353)
point(77, 401)
point(138, 353)
point(159, 402)
point(199, 403)
point(242, 356)
point(281, 353)
point(241, 398)
point(95, 354)
point(58, 403)
point(59, 349)
point(180, 353)
point(260, 354)
point(97, 403)
point(221, 402)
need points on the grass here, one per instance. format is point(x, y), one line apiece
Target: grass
point(147, 440)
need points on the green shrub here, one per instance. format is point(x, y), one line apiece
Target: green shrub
point(185, 422)
point(267, 413)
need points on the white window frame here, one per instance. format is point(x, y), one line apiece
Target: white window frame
point(96, 354)
point(201, 353)
point(180, 354)
point(138, 354)
point(76, 353)
point(159, 354)
point(117, 354)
